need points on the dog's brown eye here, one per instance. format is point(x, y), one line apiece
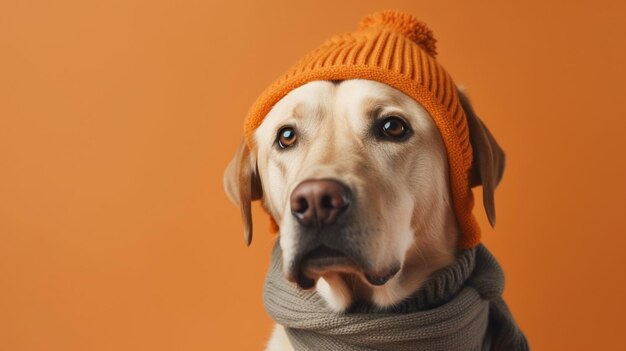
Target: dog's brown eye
point(286, 137)
point(393, 128)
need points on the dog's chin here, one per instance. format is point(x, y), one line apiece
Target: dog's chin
point(324, 260)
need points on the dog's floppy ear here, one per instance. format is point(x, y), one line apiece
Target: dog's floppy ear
point(243, 186)
point(488, 162)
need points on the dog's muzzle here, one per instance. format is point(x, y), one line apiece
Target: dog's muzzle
point(318, 205)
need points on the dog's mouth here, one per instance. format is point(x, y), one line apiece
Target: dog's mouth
point(323, 260)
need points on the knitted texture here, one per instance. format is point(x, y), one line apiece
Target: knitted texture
point(460, 307)
point(396, 49)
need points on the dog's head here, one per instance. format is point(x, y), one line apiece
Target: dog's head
point(356, 175)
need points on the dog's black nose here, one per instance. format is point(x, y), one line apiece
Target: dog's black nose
point(319, 202)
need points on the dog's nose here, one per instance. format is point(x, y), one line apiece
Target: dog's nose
point(319, 202)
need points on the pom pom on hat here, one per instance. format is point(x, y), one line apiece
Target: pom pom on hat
point(403, 23)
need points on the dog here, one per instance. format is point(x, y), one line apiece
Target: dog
point(356, 174)
point(371, 149)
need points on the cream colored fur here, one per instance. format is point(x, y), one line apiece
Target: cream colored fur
point(404, 198)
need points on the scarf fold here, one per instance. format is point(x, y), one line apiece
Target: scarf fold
point(460, 307)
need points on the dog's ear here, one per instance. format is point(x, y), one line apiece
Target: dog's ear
point(243, 186)
point(488, 162)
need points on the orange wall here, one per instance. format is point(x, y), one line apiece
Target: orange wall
point(117, 119)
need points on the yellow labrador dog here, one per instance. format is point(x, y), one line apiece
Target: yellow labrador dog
point(355, 173)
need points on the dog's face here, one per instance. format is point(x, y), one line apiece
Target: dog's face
point(355, 173)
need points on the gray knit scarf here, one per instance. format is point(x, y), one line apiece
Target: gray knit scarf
point(459, 308)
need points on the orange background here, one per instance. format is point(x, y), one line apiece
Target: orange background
point(117, 119)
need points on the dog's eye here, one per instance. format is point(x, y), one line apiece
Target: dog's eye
point(393, 127)
point(286, 137)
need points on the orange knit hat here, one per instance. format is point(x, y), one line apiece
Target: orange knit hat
point(396, 49)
